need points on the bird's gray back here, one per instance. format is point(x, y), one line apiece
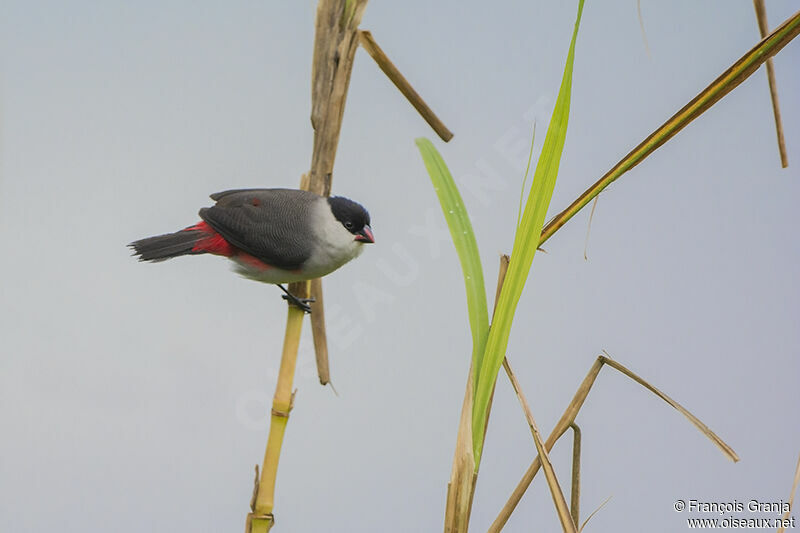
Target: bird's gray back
point(273, 225)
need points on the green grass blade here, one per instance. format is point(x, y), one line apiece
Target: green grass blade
point(525, 177)
point(525, 243)
point(464, 240)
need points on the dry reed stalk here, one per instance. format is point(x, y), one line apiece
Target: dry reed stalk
point(575, 494)
point(563, 424)
point(594, 513)
point(763, 28)
point(791, 495)
point(705, 430)
point(569, 417)
point(336, 32)
point(337, 38)
point(318, 332)
point(368, 43)
point(725, 83)
point(461, 487)
point(318, 315)
point(567, 522)
point(335, 45)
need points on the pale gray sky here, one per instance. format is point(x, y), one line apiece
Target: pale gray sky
point(135, 397)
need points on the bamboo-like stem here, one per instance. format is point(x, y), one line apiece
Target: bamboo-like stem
point(368, 43)
point(335, 43)
point(261, 519)
point(567, 522)
point(569, 417)
point(725, 83)
point(575, 493)
point(281, 406)
point(763, 28)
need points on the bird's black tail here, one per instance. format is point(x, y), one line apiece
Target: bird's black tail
point(163, 247)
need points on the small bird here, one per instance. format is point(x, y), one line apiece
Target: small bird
point(272, 235)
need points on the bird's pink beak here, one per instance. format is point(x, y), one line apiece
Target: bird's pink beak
point(365, 235)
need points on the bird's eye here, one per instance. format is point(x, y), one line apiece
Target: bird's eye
point(348, 225)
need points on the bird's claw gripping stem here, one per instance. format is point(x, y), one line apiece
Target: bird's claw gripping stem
point(301, 303)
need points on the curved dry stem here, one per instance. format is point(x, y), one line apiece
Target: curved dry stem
point(569, 417)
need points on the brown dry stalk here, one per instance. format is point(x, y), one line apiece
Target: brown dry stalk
point(568, 523)
point(575, 494)
point(763, 28)
point(727, 450)
point(594, 513)
point(318, 316)
point(318, 332)
point(563, 424)
point(791, 495)
point(563, 511)
point(368, 43)
point(569, 417)
point(461, 487)
point(335, 44)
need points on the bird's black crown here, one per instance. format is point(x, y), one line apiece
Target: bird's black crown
point(351, 214)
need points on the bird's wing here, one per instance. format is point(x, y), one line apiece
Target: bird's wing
point(273, 225)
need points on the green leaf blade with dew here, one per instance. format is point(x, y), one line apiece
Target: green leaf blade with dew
point(455, 213)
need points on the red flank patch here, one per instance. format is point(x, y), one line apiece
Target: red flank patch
point(213, 243)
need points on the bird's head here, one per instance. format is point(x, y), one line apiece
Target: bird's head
point(353, 217)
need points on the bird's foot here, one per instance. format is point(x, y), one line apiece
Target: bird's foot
point(300, 303)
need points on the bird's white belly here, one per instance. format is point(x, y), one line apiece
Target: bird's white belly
point(322, 262)
point(267, 275)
